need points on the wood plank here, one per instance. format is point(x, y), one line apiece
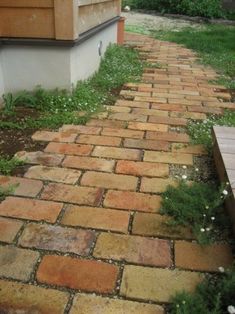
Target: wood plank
point(229, 161)
point(231, 177)
point(27, 3)
point(226, 145)
point(224, 132)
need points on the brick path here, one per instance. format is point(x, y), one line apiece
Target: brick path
point(82, 232)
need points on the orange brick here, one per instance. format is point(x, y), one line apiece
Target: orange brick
point(172, 158)
point(205, 109)
point(46, 136)
point(72, 194)
point(147, 144)
point(87, 275)
point(96, 218)
point(189, 149)
point(117, 153)
point(142, 168)
point(128, 117)
point(168, 136)
point(168, 120)
point(133, 249)
point(9, 229)
point(69, 149)
point(148, 126)
point(99, 140)
point(109, 181)
point(132, 201)
point(169, 107)
point(118, 109)
point(25, 208)
point(156, 185)
point(134, 104)
point(40, 158)
point(106, 123)
point(21, 186)
point(188, 115)
point(123, 133)
point(151, 112)
point(89, 163)
point(80, 129)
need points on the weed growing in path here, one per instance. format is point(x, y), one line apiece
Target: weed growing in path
point(7, 165)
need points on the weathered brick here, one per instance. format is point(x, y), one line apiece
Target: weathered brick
point(123, 133)
point(117, 153)
point(89, 163)
point(168, 120)
point(142, 168)
point(99, 140)
point(146, 144)
point(169, 107)
point(48, 237)
point(168, 136)
point(47, 136)
point(189, 149)
point(150, 112)
point(69, 149)
point(109, 180)
point(127, 117)
point(157, 226)
point(21, 186)
point(72, 194)
point(147, 126)
point(96, 218)
point(133, 249)
point(188, 115)
point(205, 109)
point(26, 208)
point(172, 158)
point(107, 123)
point(208, 258)
point(87, 275)
point(156, 185)
point(8, 229)
point(17, 263)
point(134, 104)
point(40, 158)
point(151, 99)
point(129, 93)
point(156, 284)
point(118, 109)
point(81, 129)
point(88, 304)
point(132, 201)
point(21, 298)
point(62, 175)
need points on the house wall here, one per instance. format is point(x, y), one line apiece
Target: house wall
point(2, 86)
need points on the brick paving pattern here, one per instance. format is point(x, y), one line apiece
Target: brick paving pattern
point(82, 233)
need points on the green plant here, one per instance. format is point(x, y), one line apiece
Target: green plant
point(7, 165)
point(215, 295)
point(5, 191)
point(195, 205)
point(22, 98)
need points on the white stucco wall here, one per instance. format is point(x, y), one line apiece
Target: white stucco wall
point(2, 89)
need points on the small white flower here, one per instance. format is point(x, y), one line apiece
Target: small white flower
point(177, 305)
point(225, 192)
point(231, 309)
point(184, 167)
point(183, 301)
point(204, 215)
point(184, 177)
point(196, 169)
point(212, 218)
point(227, 183)
point(221, 269)
point(202, 230)
point(207, 207)
point(208, 229)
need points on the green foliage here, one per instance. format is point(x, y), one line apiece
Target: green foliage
point(201, 131)
point(212, 296)
point(196, 205)
point(22, 98)
point(5, 191)
point(8, 165)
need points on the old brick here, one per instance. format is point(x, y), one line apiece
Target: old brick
point(72, 194)
point(188, 115)
point(87, 275)
point(133, 249)
point(62, 175)
point(157, 226)
point(168, 136)
point(80, 129)
point(172, 158)
point(96, 218)
point(207, 258)
point(117, 153)
point(123, 133)
point(147, 144)
point(40, 158)
point(20, 186)
point(106, 123)
point(89, 163)
point(48, 237)
point(90, 304)
point(17, 263)
point(69, 149)
point(132, 201)
point(47, 136)
point(21, 298)
point(134, 104)
point(168, 120)
point(169, 107)
point(147, 126)
point(8, 229)
point(118, 109)
point(109, 181)
point(26, 208)
point(150, 112)
point(156, 185)
point(142, 168)
point(99, 140)
point(128, 117)
point(189, 149)
point(156, 284)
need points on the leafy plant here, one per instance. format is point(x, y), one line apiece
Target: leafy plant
point(8, 165)
point(22, 98)
point(195, 205)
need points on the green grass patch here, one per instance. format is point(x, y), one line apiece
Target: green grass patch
point(5, 191)
point(215, 295)
point(7, 165)
point(198, 206)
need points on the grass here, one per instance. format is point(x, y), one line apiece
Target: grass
point(58, 107)
point(5, 191)
point(7, 165)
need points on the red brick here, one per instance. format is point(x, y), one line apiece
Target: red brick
point(99, 140)
point(26, 208)
point(72, 194)
point(107, 123)
point(168, 120)
point(89, 163)
point(69, 149)
point(134, 104)
point(81, 129)
point(132, 201)
point(9, 229)
point(147, 144)
point(117, 153)
point(133, 249)
point(40, 158)
point(147, 126)
point(87, 275)
point(156, 185)
point(171, 158)
point(169, 107)
point(142, 168)
point(109, 181)
point(46, 136)
point(168, 136)
point(123, 133)
point(21, 186)
point(24, 298)
point(151, 112)
point(48, 237)
point(128, 117)
point(96, 218)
